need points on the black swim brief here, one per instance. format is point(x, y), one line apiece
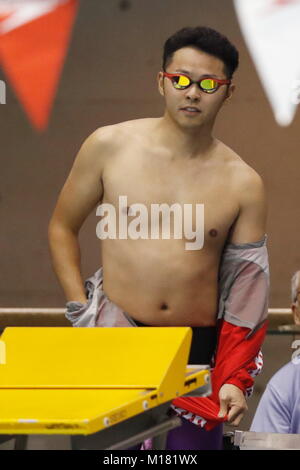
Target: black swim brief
point(203, 343)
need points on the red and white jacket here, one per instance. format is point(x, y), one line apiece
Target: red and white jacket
point(242, 323)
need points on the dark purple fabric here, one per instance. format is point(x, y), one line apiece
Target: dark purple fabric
point(189, 436)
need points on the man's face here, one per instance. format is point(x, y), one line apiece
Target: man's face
point(196, 64)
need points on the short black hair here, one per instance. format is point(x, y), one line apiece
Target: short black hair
point(205, 39)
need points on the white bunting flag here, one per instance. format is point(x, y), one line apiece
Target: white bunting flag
point(271, 29)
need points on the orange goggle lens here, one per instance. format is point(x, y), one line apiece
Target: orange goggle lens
point(208, 85)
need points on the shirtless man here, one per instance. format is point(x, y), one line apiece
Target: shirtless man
point(170, 159)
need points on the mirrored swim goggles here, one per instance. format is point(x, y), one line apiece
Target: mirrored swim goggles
point(206, 84)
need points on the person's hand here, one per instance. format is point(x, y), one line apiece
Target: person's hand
point(232, 403)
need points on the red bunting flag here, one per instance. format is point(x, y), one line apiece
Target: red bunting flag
point(34, 38)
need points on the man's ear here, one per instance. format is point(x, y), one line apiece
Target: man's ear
point(230, 91)
point(296, 313)
point(160, 82)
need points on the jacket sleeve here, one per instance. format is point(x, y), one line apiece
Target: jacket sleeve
point(244, 378)
point(238, 357)
point(243, 308)
point(242, 324)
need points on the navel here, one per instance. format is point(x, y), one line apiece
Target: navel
point(164, 306)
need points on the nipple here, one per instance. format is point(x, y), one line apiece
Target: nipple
point(213, 232)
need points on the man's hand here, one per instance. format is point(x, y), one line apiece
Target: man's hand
point(232, 404)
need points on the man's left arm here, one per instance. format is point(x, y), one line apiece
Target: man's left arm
point(249, 227)
point(243, 307)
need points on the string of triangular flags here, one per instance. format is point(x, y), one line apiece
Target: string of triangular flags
point(35, 34)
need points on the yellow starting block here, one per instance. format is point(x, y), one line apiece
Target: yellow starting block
point(112, 387)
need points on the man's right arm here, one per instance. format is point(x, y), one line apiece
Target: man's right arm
point(81, 192)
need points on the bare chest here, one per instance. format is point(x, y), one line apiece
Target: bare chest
point(195, 195)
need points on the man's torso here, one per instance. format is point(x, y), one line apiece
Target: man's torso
point(159, 281)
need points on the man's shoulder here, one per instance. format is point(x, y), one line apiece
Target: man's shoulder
point(241, 173)
point(286, 374)
point(106, 142)
point(122, 130)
